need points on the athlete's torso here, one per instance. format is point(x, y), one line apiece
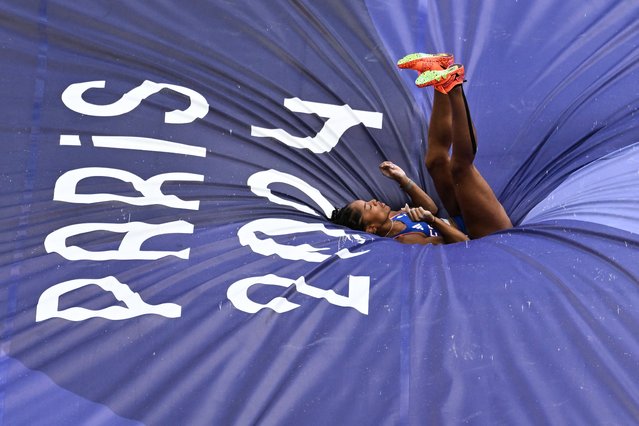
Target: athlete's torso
point(412, 227)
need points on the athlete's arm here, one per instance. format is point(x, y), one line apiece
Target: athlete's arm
point(417, 195)
point(448, 233)
point(419, 238)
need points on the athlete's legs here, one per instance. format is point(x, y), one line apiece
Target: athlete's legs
point(480, 208)
point(440, 137)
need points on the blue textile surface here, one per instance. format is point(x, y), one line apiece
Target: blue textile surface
point(166, 172)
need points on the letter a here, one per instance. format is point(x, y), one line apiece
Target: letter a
point(48, 303)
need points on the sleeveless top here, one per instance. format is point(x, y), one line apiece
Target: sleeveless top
point(412, 227)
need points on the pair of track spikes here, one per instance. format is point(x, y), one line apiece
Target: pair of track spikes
point(437, 70)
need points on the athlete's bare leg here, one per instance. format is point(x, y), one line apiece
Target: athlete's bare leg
point(440, 138)
point(480, 208)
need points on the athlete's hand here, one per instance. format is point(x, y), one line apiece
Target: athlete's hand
point(419, 214)
point(392, 171)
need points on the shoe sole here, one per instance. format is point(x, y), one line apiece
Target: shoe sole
point(432, 77)
point(426, 61)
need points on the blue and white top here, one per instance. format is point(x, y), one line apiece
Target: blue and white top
point(412, 227)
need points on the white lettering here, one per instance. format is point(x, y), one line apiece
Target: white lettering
point(247, 235)
point(259, 182)
point(66, 188)
point(237, 293)
point(358, 294)
point(340, 119)
point(136, 233)
point(48, 304)
point(136, 143)
point(72, 98)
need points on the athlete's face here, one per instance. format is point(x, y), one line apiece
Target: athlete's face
point(374, 213)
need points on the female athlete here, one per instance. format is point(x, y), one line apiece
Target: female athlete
point(472, 205)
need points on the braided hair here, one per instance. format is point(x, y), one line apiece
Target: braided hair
point(347, 216)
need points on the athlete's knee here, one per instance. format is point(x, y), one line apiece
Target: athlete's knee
point(436, 161)
point(460, 167)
